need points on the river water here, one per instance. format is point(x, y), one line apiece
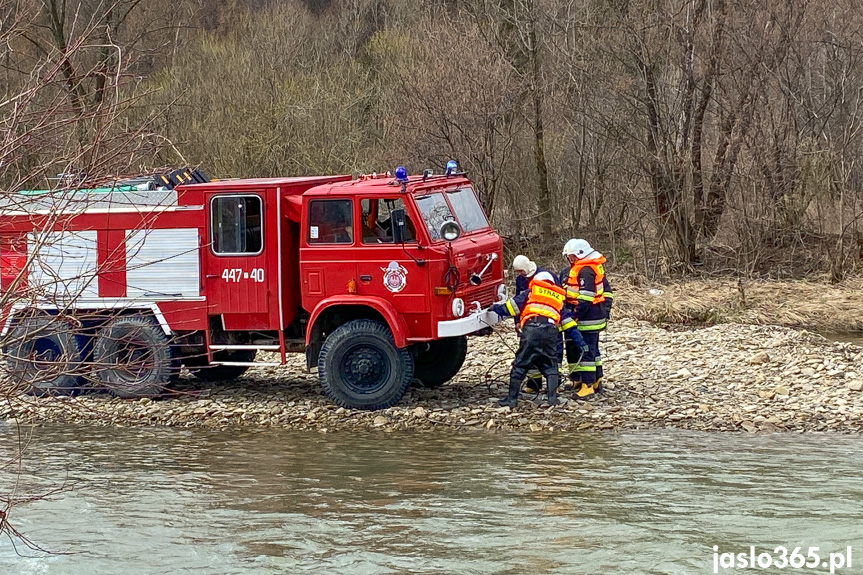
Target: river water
point(168, 501)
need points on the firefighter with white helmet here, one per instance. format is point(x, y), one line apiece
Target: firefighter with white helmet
point(524, 264)
point(525, 269)
point(589, 293)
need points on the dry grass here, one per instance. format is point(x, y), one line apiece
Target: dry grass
point(815, 306)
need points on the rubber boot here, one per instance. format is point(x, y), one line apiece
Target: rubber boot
point(574, 380)
point(511, 400)
point(585, 391)
point(533, 383)
point(553, 383)
point(597, 387)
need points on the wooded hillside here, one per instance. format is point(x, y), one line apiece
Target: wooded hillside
point(678, 136)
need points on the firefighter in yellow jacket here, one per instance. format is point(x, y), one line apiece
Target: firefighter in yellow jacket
point(588, 292)
point(540, 309)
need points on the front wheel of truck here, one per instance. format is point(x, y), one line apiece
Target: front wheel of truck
point(361, 368)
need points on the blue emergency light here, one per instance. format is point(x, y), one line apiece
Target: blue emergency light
point(401, 174)
point(451, 167)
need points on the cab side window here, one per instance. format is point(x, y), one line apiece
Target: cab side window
point(235, 225)
point(330, 222)
point(377, 220)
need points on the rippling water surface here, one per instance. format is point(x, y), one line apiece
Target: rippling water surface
point(167, 501)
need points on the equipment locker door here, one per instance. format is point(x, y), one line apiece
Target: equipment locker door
point(236, 262)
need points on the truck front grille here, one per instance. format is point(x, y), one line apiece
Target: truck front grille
point(484, 294)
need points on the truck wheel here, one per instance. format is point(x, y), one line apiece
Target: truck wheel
point(45, 355)
point(225, 372)
point(361, 368)
point(133, 357)
point(437, 362)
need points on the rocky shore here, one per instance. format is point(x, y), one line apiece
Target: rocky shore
point(727, 377)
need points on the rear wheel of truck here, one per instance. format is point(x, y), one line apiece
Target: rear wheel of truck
point(133, 357)
point(361, 368)
point(225, 372)
point(437, 362)
point(45, 355)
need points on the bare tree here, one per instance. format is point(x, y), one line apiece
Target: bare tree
point(65, 107)
point(734, 123)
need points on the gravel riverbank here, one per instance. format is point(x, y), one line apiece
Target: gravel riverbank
point(728, 377)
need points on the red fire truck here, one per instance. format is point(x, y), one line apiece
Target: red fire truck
point(377, 279)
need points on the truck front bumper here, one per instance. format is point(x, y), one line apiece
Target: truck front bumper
point(466, 325)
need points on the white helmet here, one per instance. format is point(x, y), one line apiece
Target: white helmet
point(523, 263)
point(578, 248)
point(545, 276)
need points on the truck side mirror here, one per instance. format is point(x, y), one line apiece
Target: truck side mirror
point(397, 218)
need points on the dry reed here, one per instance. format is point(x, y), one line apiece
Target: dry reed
point(816, 306)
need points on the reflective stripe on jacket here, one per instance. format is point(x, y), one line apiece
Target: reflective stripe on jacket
point(586, 293)
point(575, 292)
point(566, 323)
point(592, 324)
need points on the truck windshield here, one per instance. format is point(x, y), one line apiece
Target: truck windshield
point(435, 211)
point(467, 210)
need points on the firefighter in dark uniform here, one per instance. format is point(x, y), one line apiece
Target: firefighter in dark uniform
point(525, 269)
point(540, 309)
point(589, 294)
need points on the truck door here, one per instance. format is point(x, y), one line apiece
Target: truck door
point(236, 260)
point(327, 261)
point(389, 269)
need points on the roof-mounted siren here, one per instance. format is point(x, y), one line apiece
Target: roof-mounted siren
point(451, 168)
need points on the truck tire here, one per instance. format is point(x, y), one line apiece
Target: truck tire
point(437, 362)
point(45, 355)
point(361, 368)
point(133, 357)
point(225, 372)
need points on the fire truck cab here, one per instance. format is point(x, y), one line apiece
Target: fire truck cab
point(377, 279)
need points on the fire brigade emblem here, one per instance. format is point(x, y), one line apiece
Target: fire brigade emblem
point(395, 277)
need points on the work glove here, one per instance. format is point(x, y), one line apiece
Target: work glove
point(575, 336)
